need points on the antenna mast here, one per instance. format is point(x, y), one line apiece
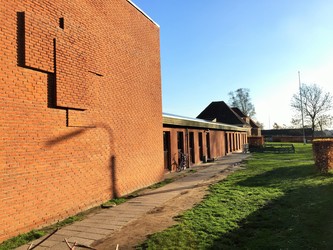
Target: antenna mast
point(300, 95)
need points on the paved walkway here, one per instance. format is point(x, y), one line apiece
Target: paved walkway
point(102, 224)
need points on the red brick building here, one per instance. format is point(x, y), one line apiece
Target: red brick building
point(71, 73)
point(200, 140)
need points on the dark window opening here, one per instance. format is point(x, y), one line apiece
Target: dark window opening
point(226, 141)
point(180, 142)
point(61, 22)
point(200, 146)
point(208, 145)
point(166, 149)
point(192, 156)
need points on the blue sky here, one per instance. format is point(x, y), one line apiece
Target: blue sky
point(209, 48)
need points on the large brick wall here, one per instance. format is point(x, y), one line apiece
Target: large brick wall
point(80, 103)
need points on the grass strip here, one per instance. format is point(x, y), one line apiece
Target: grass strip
point(278, 202)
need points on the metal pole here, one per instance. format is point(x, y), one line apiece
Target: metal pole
point(300, 95)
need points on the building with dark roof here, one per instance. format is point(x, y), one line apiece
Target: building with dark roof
point(255, 129)
point(220, 112)
point(201, 140)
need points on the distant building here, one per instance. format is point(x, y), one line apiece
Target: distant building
point(286, 135)
point(220, 112)
point(200, 140)
point(286, 132)
point(255, 129)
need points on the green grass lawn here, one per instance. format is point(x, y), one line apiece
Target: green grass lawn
point(278, 202)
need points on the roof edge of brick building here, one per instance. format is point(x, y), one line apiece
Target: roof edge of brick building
point(145, 14)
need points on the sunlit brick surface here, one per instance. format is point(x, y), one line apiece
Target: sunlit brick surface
point(80, 103)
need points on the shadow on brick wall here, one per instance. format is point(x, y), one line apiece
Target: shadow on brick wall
point(113, 163)
point(65, 137)
point(112, 160)
point(52, 100)
point(21, 60)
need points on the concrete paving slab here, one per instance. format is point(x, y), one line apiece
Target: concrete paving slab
point(79, 240)
point(49, 243)
point(90, 230)
point(90, 236)
point(66, 233)
point(101, 226)
point(60, 246)
point(24, 247)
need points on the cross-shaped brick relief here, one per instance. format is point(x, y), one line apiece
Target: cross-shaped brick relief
point(65, 52)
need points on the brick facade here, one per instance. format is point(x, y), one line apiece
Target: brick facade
point(200, 140)
point(80, 105)
point(198, 144)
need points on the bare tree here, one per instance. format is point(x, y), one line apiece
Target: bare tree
point(316, 104)
point(260, 124)
point(241, 99)
point(324, 121)
point(276, 126)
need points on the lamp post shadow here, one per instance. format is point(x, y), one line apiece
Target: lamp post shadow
point(114, 189)
point(112, 158)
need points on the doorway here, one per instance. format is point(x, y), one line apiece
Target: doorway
point(192, 156)
point(166, 149)
point(180, 142)
point(208, 145)
point(200, 147)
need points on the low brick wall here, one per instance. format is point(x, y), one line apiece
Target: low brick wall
point(256, 141)
point(323, 154)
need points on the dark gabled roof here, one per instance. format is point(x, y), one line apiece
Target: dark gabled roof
point(241, 114)
point(253, 124)
point(222, 113)
point(238, 112)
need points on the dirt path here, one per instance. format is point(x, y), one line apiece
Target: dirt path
point(158, 219)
